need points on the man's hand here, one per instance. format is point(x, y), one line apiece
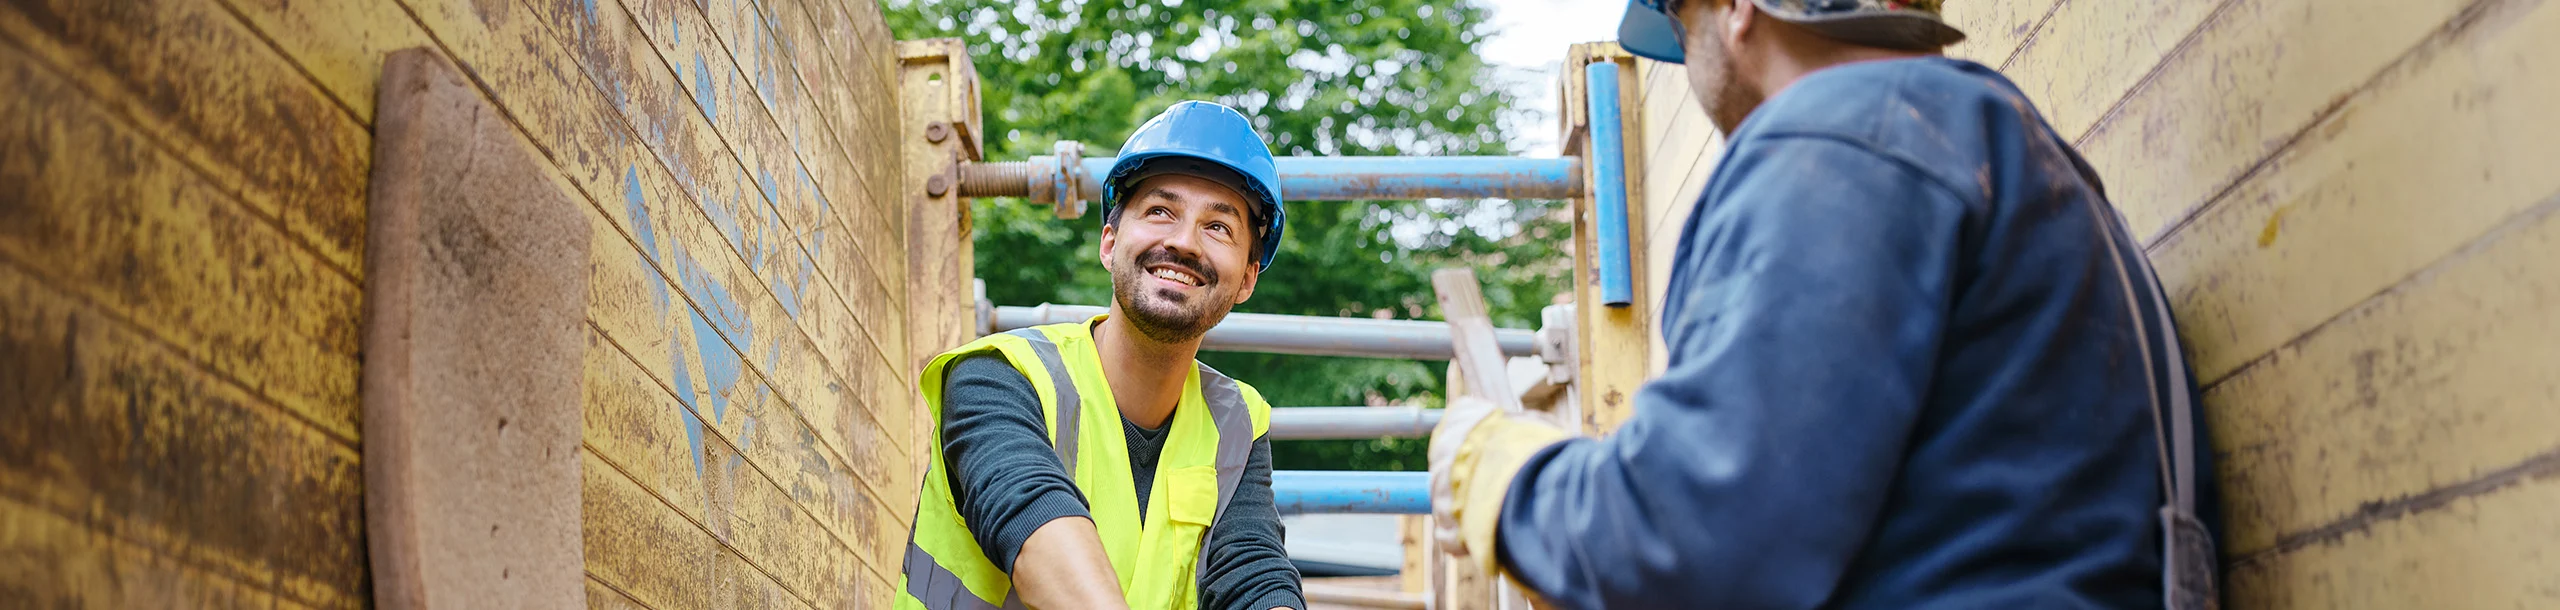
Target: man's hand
point(1062, 565)
point(1456, 422)
point(1474, 454)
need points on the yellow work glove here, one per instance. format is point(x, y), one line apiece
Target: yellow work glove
point(1474, 454)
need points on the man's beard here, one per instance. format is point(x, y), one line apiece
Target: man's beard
point(1163, 315)
point(1711, 74)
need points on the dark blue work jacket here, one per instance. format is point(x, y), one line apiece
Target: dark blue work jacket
point(1913, 358)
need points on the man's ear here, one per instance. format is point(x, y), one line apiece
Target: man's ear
point(1737, 22)
point(1110, 235)
point(1252, 277)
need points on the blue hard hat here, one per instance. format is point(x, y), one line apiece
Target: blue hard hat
point(1207, 140)
point(1648, 32)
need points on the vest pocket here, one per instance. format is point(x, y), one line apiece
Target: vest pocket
point(1195, 495)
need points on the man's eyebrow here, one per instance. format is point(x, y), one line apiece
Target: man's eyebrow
point(1159, 192)
point(1229, 208)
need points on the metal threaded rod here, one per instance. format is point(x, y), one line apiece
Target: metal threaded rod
point(1011, 179)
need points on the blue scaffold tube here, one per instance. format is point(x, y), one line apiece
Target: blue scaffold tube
point(1608, 154)
point(1402, 178)
point(1299, 492)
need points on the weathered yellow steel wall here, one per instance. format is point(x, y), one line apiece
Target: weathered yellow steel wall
point(2352, 206)
point(182, 196)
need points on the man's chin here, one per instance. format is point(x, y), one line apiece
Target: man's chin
point(1164, 326)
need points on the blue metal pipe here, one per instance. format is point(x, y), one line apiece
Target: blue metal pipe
point(1353, 178)
point(1608, 152)
point(1299, 492)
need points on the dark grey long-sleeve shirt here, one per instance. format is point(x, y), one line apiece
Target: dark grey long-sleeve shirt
point(1006, 482)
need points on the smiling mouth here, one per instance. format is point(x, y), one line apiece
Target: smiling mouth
point(1175, 275)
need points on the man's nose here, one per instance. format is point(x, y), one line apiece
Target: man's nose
point(1184, 241)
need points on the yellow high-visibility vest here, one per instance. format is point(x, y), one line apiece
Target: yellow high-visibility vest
point(1158, 555)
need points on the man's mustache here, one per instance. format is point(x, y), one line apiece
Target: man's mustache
point(1190, 264)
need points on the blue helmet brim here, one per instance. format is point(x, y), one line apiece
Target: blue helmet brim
point(1649, 34)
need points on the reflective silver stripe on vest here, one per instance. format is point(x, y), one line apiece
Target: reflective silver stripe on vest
point(1070, 407)
point(940, 589)
point(1235, 445)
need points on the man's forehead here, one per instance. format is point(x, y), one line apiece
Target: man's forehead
point(1193, 190)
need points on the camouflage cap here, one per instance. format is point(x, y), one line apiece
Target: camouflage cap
point(1898, 24)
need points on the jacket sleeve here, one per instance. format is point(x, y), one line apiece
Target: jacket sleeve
point(1248, 567)
point(1006, 480)
point(1803, 320)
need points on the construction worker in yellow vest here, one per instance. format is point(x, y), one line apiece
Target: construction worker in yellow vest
point(1095, 464)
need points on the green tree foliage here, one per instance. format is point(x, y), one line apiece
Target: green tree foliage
point(1318, 77)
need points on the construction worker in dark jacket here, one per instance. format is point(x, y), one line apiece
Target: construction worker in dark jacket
point(1916, 361)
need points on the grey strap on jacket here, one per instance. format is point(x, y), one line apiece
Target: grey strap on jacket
point(2187, 548)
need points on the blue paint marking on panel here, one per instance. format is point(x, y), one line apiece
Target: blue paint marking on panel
point(747, 433)
point(684, 393)
point(702, 88)
point(591, 12)
point(772, 360)
point(765, 179)
point(726, 222)
point(632, 198)
point(788, 290)
point(641, 228)
point(720, 366)
point(675, 32)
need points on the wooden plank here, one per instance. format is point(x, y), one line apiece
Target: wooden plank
point(647, 553)
point(202, 84)
point(2492, 551)
point(871, 82)
point(604, 156)
point(666, 446)
point(935, 78)
point(614, 55)
point(1995, 29)
point(752, 183)
point(1479, 357)
point(573, 120)
point(1613, 343)
point(1665, 106)
point(792, 196)
point(341, 46)
point(860, 115)
point(2358, 206)
point(2257, 75)
point(474, 290)
point(2428, 386)
point(107, 215)
point(122, 459)
point(59, 562)
point(734, 350)
point(2090, 53)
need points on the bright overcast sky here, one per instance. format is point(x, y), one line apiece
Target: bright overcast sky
point(1528, 43)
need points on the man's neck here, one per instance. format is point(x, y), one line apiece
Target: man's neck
point(1802, 57)
point(1146, 376)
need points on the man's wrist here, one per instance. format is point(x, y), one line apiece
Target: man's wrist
point(1481, 476)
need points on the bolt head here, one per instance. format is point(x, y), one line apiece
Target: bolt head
point(936, 132)
point(937, 186)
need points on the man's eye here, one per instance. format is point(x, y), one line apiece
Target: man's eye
point(1220, 228)
point(1159, 212)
